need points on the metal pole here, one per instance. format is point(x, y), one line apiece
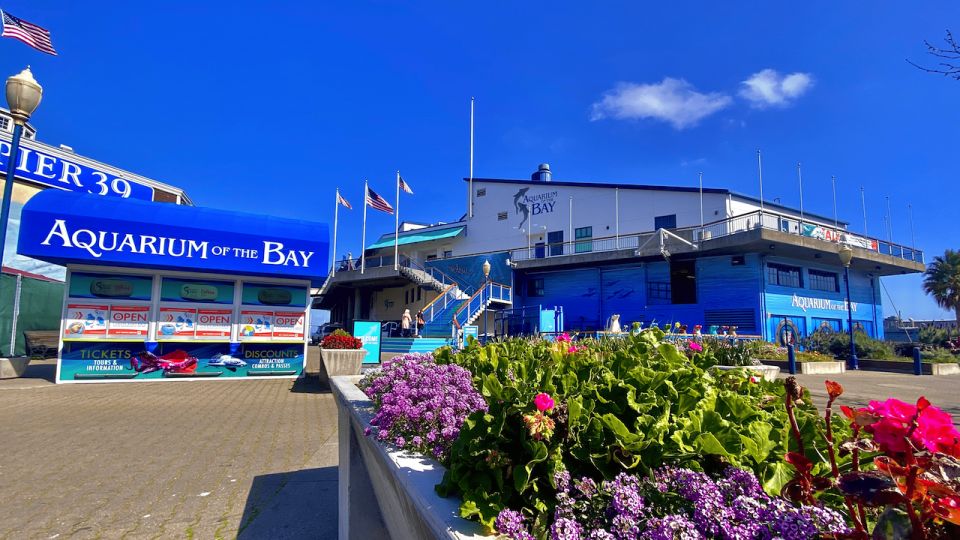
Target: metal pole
point(913, 238)
point(917, 362)
point(836, 222)
point(863, 204)
point(16, 315)
point(396, 229)
point(570, 231)
point(616, 194)
point(8, 186)
point(363, 239)
point(791, 359)
point(470, 188)
point(760, 175)
point(854, 362)
point(800, 179)
point(889, 221)
point(336, 216)
point(701, 205)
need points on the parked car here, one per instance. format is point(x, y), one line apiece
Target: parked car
point(323, 331)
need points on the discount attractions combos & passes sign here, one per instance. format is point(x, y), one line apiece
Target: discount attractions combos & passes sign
point(159, 291)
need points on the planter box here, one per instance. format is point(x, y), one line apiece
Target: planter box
point(813, 368)
point(385, 492)
point(769, 373)
point(340, 362)
point(907, 367)
point(11, 368)
point(944, 369)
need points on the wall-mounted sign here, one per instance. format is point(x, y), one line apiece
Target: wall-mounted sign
point(196, 290)
point(288, 324)
point(526, 204)
point(66, 228)
point(837, 236)
point(256, 324)
point(47, 169)
point(806, 302)
point(273, 295)
point(176, 322)
point(128, 321)
point(86, 320)
point(214, 323)
point(110, 286)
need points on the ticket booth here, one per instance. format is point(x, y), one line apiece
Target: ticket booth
point(160, 292)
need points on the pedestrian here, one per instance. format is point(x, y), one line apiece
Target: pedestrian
point(405, 323)
point(421, 322)
point(350, 261)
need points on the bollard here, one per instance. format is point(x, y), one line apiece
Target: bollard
point(791, 360)
point(917, 362)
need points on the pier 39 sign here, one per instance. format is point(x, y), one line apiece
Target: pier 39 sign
point(58, 172)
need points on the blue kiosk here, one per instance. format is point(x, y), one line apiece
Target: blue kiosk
point(157, 291)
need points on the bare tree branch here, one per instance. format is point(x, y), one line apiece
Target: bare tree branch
point(950, 52)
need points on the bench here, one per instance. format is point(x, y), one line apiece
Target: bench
point(42, 343)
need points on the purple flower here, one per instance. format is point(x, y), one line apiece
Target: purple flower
point(509, 522)
point(565, 529)
point(562, 479)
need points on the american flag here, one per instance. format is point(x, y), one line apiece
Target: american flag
point(378, 202)
point(29, 33)
point(403, 185)
point(341, 200)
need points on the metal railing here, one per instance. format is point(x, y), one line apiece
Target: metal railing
point(718, 229)
point(443, 301)
point(488, 292)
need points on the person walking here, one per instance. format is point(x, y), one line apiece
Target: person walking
point(405, 323)
point(421, 322)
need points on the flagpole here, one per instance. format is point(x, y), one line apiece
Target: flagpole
point(760, 175)
point(701, 205)
point(571, 224)
point(889, 222)
point(913, 237)
point(836, 222)
point(800, 180)
point(336, 215)
point(363, 244)
point(470, 186)
point(396, 229)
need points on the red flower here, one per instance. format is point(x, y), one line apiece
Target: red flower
point(834, 389)
point(543, 402)
point(694, 346)
point(341, 341)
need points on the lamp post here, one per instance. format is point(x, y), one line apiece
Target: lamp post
point(486, 280)
point(23, 97)
point(846, 255)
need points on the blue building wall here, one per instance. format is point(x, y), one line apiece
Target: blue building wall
point(729, 292)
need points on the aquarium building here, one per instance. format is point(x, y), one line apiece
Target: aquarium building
point(648, 253)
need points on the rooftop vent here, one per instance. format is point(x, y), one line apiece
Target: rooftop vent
point(543, 173)
point(66, 148)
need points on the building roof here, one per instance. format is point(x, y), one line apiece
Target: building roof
point(417, 236)
point(651, 187)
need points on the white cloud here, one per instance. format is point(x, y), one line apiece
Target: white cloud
point(672, 100)
point(768, 88)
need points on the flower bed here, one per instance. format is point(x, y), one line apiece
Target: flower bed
point(637, 422)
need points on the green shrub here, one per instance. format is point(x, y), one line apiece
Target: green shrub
point(867, 347)
point(630, 404)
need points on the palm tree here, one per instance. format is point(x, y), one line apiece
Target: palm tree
point(942, 281)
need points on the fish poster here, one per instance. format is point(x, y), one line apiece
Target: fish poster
point(288, 324)
point(85, 320)
point(128, 321)
point(256, 324)
point(214, 323)
point(176, 322)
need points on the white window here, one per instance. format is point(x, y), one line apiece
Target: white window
point(4, 123)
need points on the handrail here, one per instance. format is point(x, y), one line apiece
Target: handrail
point(487, 288)
point(439, 296)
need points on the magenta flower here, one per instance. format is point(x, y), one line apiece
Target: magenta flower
point(694, 346)
point(564, 338)
point(543, 402)
point(574, 349)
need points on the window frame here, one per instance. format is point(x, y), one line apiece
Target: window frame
point(776, 270)
point(583, 238)
point(815, 277)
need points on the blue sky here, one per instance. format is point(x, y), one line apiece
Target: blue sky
point(268, 107)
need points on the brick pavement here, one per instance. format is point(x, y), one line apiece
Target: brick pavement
point(204, 459)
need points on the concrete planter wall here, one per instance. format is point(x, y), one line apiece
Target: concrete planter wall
point(340, 362)
point(385, 492)
point(813, 368)
point(769, 373)
point(907, 367)
point(11, 368)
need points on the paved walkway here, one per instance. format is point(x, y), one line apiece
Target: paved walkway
point(859, 387)
point(183, 459)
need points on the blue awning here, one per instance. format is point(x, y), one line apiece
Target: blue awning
point(417, 237)
point(70, 228)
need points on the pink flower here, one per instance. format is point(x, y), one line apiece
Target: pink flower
point(575, 349)
point(754, 379)
point(564, 338)
point(934, 431)
point(694, 346)
point(543, 402)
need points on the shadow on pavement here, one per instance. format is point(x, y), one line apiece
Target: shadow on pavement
point(45, 369)
point(309, 385)
point(297, 504)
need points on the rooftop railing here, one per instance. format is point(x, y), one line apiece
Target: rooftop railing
point(718, 229)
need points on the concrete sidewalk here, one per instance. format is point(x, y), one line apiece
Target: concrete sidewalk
point(184, 459)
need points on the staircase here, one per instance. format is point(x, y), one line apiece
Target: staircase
point(489, 293)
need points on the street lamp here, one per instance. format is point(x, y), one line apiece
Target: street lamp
point(846, 255)
point(23, 97)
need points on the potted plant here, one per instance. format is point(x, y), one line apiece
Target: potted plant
point(341, 354)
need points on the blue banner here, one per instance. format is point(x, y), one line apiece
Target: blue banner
point(49, 170)
point(470, 331)
point(369, 333)
point(66, 228)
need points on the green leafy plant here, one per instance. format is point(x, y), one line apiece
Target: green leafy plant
point(838, 344)
point(630, 404)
